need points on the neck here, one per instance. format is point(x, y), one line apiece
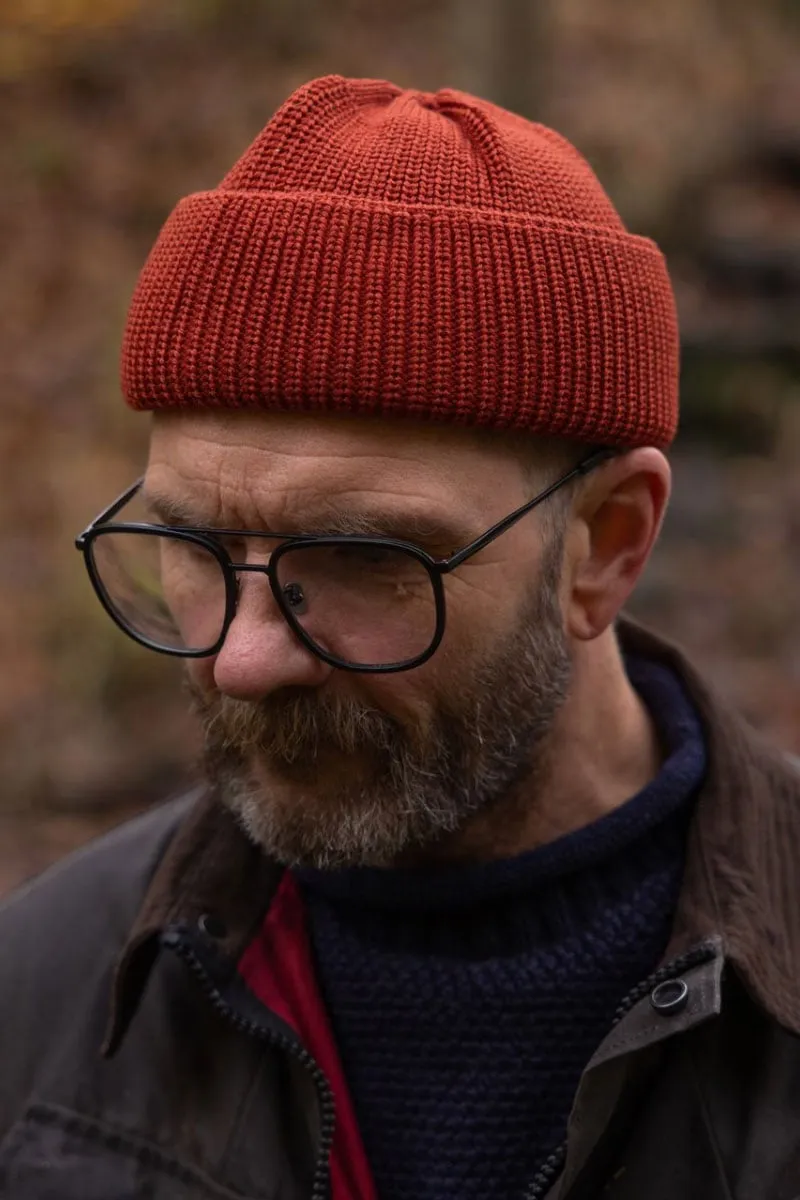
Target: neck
point(603, 749)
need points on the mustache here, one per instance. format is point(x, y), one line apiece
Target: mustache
point(295, 727)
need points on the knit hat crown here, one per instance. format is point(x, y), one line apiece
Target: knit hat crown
point(396, 252)
point(368, 140)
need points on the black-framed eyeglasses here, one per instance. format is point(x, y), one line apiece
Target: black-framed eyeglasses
point(360, 603)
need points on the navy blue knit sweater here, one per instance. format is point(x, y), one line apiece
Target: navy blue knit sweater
point(467, 1000)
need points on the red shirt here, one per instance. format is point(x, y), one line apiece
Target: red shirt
point(278, 968)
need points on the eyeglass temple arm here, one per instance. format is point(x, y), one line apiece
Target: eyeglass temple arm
point(109, 513)
point(582, 468)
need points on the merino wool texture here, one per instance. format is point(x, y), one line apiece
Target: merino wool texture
point(406, 253)
point(467, 1001)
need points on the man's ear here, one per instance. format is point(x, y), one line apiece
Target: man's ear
point(615, 523)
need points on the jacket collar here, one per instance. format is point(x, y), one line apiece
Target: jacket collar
point(739, 879)
point(740, 876)
point(210, 868)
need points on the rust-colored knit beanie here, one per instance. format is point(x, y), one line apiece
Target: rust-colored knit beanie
point(411, 254)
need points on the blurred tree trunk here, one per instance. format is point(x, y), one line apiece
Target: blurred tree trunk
point(500, 51)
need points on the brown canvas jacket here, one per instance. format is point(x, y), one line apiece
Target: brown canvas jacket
point(134, 1065)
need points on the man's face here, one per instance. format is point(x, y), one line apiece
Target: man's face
point(329, 768)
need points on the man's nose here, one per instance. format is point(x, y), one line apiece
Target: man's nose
point(260, 654)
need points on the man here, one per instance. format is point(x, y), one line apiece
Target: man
point(489, 895)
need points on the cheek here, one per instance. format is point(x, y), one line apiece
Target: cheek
point(199, 675)
point(415, 697)
point(408, 697)
point(483, 603)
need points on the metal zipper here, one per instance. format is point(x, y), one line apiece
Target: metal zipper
point(549, 1171)
point(174, 941)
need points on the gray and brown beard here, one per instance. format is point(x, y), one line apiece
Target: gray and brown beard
point(411, 791)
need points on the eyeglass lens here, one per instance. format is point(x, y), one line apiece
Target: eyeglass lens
point(362, 603)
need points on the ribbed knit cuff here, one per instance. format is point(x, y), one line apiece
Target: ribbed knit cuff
point(313, 301)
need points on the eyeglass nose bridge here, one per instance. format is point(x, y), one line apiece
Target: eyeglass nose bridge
point(290, 594)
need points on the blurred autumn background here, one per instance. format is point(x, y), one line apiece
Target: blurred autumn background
point(113, 109)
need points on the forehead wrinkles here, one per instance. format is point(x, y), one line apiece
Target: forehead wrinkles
point(233, 475)
point(326, 501)
point(260, 469)
point(331, 437)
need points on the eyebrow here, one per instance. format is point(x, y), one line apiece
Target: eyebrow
point(411, 527)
